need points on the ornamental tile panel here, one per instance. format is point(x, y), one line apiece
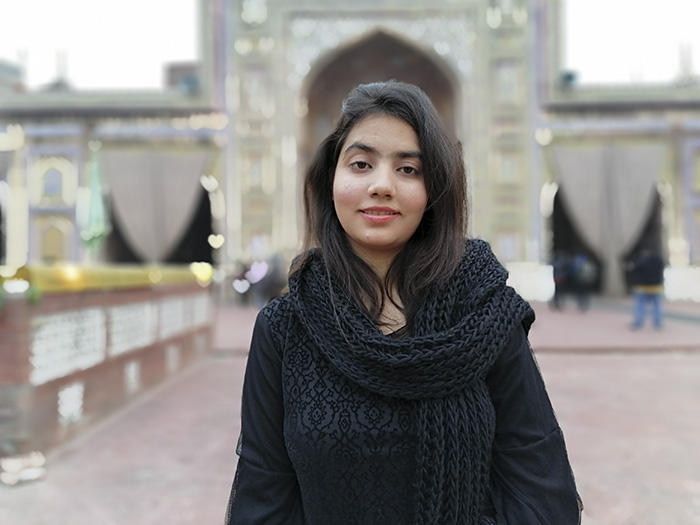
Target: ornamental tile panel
point(131, 327)
point(201, 310)
point(172, 317)
point(65, 343)
point(450, 36)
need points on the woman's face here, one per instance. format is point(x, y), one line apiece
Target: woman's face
point(378, 190)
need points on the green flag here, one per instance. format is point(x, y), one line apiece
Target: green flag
point(97, 225)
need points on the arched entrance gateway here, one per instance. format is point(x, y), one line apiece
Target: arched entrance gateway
point(566, 238)
point(160, 210)
point(377, 57)
point(290, 76)
point(608, 205)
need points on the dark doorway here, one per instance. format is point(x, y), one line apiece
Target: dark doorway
point(117, 248)
point(567, 241)
point(193, 247)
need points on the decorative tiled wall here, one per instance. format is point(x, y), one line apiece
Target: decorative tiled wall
point(63, 343)
point(66, 342)
point(132, 326)
point(82, 355)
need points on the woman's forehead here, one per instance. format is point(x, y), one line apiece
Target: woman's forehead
point(380, 131)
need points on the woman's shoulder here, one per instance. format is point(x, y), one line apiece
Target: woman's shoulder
point(477, 248)
point(275, 316)
point(278, 308)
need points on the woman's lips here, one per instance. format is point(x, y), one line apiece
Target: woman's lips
point(377, 214)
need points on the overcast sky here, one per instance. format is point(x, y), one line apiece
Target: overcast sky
point(106, 43)
point(122, 44)
point(630, 40)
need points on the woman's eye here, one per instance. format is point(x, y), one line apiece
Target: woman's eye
point(360, 165)
point(408, 170)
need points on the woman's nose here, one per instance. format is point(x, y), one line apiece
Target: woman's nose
point(382, 184)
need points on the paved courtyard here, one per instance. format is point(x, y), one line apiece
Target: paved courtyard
point(627, 402)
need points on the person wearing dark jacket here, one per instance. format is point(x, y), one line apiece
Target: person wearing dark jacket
point(394, 382)
point(561, 275)
point(647, 287)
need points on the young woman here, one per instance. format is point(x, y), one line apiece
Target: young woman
point(394, 383)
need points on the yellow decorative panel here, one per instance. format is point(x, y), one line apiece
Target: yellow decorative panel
point(53, 245)
point(54, 234)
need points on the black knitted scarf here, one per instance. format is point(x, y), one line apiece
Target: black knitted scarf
point(441, 365)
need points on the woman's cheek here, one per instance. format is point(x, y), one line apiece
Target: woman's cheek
point(345, 191)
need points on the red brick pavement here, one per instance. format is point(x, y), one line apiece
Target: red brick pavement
point(167, 458)
point(605, 327)
point(633, 433)
point(627, 402)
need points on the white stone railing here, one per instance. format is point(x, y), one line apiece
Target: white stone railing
point(682, 283)
point(66, 342)
point(535, 283)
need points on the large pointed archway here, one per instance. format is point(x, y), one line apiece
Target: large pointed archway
point(610, 195)
point(376, 57)
point(192, 246)
point(567, 239)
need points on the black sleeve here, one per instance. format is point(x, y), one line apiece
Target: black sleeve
point(265, 489)
point(532, 481)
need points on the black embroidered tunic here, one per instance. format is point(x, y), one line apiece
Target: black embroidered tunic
point(316, 447)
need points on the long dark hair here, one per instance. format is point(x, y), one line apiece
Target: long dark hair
point(435, 249)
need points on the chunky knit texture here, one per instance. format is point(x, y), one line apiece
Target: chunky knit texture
point(441, 365)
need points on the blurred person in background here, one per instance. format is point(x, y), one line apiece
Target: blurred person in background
point(583, 275)
point(647, 277)
point(561, 273)
point(394, 382)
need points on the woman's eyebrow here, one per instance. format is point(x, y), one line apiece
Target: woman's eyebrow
point(360, 145)
point(370, 149)
point(408, 154)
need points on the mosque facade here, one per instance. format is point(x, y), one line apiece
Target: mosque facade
point(294, 65)
point(211, 170)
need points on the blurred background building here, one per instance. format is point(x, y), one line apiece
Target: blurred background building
point(208, 167)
